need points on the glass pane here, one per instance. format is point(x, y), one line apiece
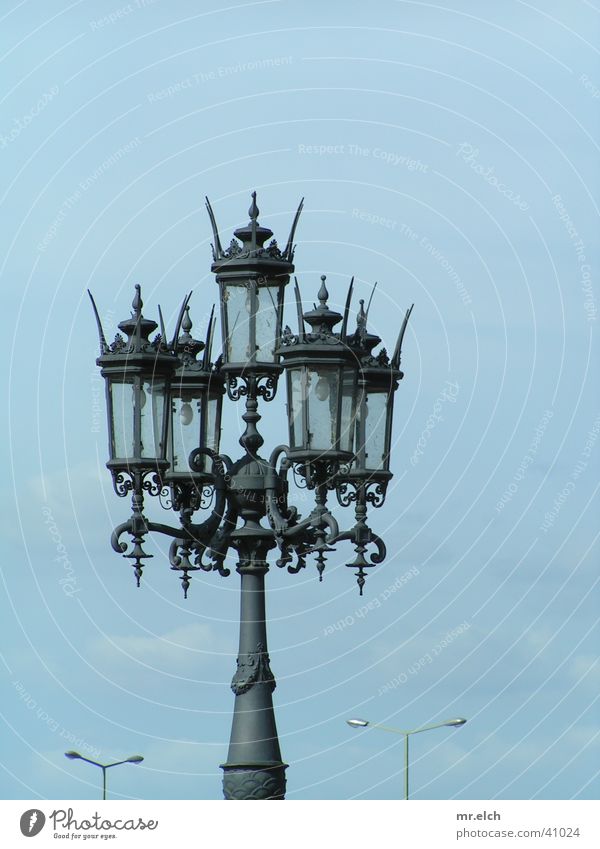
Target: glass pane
point(152, 401)
point(296, 401)
point(122, 419)
point(348, 411)
point(239, 307)
point(358, 442)
point(185, 426)
point(376, 408)
point(322, 408)
point(212, 433)
point(266, 324)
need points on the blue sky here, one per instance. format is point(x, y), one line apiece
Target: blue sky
point(448, 152)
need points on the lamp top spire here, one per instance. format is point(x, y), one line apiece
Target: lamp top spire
point(362, 339)
point(252, 237)
point(321, 318)
point(187, 347)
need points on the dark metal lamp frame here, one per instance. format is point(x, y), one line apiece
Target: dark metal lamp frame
point(239, 495)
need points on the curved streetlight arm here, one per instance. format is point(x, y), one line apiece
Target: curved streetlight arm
point(429, 727)
point(87, 760)
point(116, 763)
point(388, 728)
point(104, 766)
point(414, 730)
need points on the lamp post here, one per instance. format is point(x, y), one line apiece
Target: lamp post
point(134, 759)
point(363, 723)
point(164, 420)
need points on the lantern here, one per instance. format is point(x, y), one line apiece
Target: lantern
point(322, 374)
point(195, 400)
point(252, 278)
point(374, 419)
point(378, 381)
point(137, 373)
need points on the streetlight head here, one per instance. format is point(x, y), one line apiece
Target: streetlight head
point(134, 759)
point(72, 755)
point(358, 723)
point(456, 722)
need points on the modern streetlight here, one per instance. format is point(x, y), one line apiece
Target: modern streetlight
point(134, 759)
point(363, 723)
point(164, 407)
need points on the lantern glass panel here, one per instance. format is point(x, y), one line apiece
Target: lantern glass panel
point(348, 411)
point(152, 408)
point(238, 303)
point(322, 400)
point(375, 411)
point(267, 314)
point(296, 402)
point(195, 422)
point(122, 409)
point(212, 434)
point(185, 429)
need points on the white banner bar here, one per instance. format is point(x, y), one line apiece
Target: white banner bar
point(306, 825)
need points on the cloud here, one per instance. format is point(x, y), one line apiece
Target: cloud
point(585, 669)
point(186, 649)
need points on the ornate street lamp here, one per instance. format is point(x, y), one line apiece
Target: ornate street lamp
point(164, 414)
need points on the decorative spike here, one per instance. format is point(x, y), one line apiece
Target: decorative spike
point(395, 361)
point(136, 315)
point(186, 324)
point(371, 298)
point(289, 248)
point(209, 340)
point(323, 294)
point(361, 318)
point(213, 223)
point(103, 346)
point(185, 582)
point(138, 555)
point(321, 559)
point(254, 210)
point(360, 580)
point(181, 563)
point(137, 302)
point(253, 224)
point(299, 311)
point(163, 332)
point(344, 331)
point(186, 301)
